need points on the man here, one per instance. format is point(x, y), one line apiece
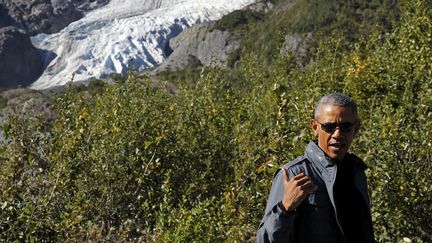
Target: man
point(322, 196)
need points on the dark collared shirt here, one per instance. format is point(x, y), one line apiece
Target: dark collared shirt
point(353, 212)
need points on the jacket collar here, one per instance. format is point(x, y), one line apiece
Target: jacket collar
point(317, 156)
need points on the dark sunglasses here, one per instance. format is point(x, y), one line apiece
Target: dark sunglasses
point(330, 127)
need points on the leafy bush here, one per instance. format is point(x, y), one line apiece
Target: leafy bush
point(3, 102)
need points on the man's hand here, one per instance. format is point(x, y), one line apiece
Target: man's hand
point(296, 189)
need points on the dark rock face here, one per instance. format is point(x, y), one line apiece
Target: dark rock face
point(20, 62)
point(36, 16)
point(5, 19)
point(44, 16)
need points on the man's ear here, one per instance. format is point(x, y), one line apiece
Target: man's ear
point(314, 126)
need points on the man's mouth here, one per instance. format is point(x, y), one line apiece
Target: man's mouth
point(337, 145)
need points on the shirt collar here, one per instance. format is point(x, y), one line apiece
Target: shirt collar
point(317, 156)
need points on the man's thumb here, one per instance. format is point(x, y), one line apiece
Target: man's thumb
point(285, 174)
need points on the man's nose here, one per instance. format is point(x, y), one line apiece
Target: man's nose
point(337, 133)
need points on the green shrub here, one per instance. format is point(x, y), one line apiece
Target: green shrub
point(3, 102)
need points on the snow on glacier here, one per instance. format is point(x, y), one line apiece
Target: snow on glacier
point(122, 33)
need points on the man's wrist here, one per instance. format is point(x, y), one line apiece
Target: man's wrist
point(285, 210)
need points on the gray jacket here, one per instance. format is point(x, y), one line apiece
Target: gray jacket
point(316, 218)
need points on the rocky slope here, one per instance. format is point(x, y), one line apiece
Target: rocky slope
point(44, 16)
point(20, 62)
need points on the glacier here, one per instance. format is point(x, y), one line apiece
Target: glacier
point(121, 35)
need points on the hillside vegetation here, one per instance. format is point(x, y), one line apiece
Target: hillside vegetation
point(134, 162)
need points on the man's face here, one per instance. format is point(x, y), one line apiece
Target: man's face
point(335, 143)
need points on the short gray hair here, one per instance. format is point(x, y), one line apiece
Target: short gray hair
point(338, 99)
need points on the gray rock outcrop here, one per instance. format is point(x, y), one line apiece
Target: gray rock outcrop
point(261, 6)
point(200, 44)
point(296, 45)
point(24, 103)
point(20, 61)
